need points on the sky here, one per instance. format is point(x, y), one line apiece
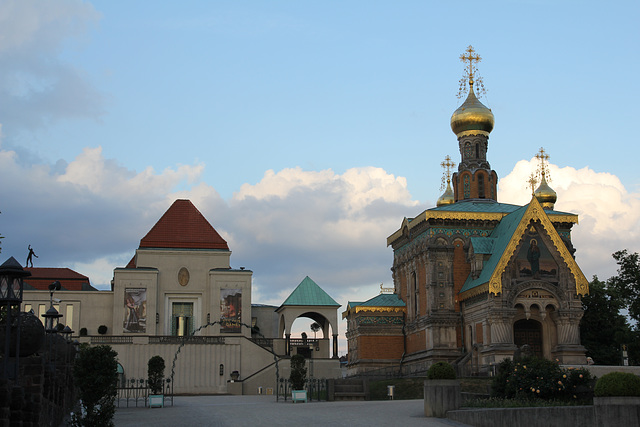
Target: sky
point(303, 131)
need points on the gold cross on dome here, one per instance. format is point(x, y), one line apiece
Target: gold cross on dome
point(543, 157)
point(533, 181)
point(447, 165)
point(470, 76)
point(470, 57)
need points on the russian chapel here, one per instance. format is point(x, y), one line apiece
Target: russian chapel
point(474, 280)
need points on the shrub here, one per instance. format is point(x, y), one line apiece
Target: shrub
point(537, 378)
point(96, 378)
point(155, 374)
point(618, 384)
point(102, 329)
point(298, 372)
point(83, 332)
point(441, 371)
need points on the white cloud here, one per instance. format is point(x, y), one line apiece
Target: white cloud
point(36, 85)
point(609, 215)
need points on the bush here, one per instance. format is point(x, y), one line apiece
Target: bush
point(441, 371)
point(155, 374)
point(96, 379)
point(618, 384)
point(537, 378)
point(298, 372)
point(102, 329)
point(83, 332)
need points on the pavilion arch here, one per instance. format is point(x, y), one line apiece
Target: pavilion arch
point(309, 300)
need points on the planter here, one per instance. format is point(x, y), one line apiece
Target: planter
point(156, 400)
point(299, 396)
point(441, 396)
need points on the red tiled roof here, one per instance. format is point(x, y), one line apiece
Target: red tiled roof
point(42, 277)
point(183, 227)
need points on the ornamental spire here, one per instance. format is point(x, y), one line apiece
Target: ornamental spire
point(470, 74)
point(447, 165)
point(543, 172)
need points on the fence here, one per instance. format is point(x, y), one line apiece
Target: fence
point(316, 389)
point(136, 392)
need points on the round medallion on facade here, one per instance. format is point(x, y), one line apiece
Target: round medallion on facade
point(183, 276)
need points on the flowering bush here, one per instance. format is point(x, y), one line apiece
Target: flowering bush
point(536, 378)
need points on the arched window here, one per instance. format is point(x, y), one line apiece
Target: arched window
point(481, 185)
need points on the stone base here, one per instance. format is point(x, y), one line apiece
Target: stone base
point(441, 396)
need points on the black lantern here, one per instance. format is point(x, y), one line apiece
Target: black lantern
point(11, 283)
point(11, 288)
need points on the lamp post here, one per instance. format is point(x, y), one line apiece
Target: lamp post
point(11, 289)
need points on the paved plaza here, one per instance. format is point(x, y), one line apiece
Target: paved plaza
point(254, 411)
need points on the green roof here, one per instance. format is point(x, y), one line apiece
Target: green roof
point(309, 293)
point(384, 300)
point(482, 245)
point(489, 206)
point(501, 235)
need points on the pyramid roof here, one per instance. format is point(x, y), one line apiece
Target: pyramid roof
point(183, 227)
point(309, 293)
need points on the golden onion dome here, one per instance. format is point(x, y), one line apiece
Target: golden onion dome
point(545, 194)
point(472, 117)
point(447, 197)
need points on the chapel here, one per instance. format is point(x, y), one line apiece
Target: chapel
point(474, 280)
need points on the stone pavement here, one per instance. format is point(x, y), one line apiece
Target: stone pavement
point(254, 411)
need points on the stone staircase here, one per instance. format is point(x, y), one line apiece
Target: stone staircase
point(348, 389)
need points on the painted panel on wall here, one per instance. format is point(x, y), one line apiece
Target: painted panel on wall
point(135, 310)
point(230, 310)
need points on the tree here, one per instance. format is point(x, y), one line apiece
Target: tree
point(298, 372)
point(603, 330)
point(627, 282)
point(315, 328)
point(155, 374)
point(96, 379)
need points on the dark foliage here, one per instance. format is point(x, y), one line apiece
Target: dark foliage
point(441, 371)
point(603, 330)
point(537, 378)
point(627, 282)
point(618, 384)
point(298, 372)
point(155, 374)
point(102, 329)
point(96, 379)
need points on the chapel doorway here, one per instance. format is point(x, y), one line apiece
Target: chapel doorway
point(528, 332)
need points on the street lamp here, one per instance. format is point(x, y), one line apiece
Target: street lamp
point(11, 289)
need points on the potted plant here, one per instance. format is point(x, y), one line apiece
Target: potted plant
point(155, 374)
point(441, 390)
point(297, 378)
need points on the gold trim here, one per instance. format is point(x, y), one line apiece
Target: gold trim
point(535, 212)
point(472, 216)
point(474, 292)
point(369, 308)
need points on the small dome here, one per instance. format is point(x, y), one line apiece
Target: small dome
point(545, 195)
point(472, 117)
point(447, 197)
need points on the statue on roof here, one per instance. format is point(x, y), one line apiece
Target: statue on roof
point(30, 257)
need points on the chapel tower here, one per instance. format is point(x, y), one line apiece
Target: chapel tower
point(472, 122)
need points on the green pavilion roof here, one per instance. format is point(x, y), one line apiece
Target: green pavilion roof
point(309, 293)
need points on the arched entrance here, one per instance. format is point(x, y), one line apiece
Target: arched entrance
point(528, 331)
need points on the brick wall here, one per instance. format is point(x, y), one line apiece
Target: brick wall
point(380, 347)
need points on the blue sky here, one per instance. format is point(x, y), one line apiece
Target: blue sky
point(304, 131)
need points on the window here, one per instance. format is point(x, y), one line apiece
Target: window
point(181, 318)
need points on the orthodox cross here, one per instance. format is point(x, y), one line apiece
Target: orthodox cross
point(543, 172)
point(533, 181)
point(447, 165)
point(470, 71)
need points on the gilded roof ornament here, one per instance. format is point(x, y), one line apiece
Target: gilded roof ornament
point(545, 194)
point(448, 197)
point(470, 75)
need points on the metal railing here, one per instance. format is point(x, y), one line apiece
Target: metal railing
point(136, 392)
point(316, 389)
point(190, 339)
point(111, 339)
